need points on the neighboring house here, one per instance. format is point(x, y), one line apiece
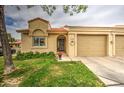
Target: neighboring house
point(73, 40)
point(16, 44)
point(10, 39)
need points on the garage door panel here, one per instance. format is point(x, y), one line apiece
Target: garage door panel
point(91, 45)
point(119, 45)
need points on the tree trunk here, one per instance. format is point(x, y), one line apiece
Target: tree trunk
point(8, 63)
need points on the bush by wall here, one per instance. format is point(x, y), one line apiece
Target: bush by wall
point(30, 55)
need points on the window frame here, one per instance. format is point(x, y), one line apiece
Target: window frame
point(38, 45)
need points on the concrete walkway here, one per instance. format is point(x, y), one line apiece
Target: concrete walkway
point(109, 69)
point(67, 59)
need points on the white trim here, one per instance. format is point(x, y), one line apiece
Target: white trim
point(41, 47)
point(75, 45)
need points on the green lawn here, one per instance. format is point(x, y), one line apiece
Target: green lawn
point(47, 72)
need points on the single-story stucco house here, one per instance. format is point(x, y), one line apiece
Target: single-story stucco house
point(73, 40)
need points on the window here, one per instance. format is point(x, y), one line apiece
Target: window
point(39, 41)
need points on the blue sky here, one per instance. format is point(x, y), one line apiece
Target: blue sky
point(96, 15)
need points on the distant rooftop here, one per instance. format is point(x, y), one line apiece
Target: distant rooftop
point(119, 25)
point(116, 26)
point(58, 29)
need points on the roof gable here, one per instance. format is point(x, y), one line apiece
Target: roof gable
point(38, 19)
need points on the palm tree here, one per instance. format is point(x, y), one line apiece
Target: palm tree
point(8, 63)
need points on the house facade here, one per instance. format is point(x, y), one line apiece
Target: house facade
point(73, 40)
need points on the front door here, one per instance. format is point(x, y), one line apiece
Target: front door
point(61, 44)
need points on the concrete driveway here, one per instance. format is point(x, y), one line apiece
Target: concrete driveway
point(109, 69)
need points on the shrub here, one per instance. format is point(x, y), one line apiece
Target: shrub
point(43, 54)
point(19, 55)
point(36, 55)
point(51, 54)
point(30, 55)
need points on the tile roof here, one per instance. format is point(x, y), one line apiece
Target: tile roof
point(18, 42)
point(58, 29)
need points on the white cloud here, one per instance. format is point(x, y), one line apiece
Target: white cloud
point(95, 15)
point(11, 30)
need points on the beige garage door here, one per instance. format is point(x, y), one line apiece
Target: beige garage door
point(119, 45)
point(91, 45)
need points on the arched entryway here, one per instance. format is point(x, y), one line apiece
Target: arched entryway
point(61, 43)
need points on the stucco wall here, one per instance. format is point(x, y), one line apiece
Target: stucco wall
point(38, 24)
point(27, 44)
point(39, 28)
point(109, 32)
point(71, 45)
